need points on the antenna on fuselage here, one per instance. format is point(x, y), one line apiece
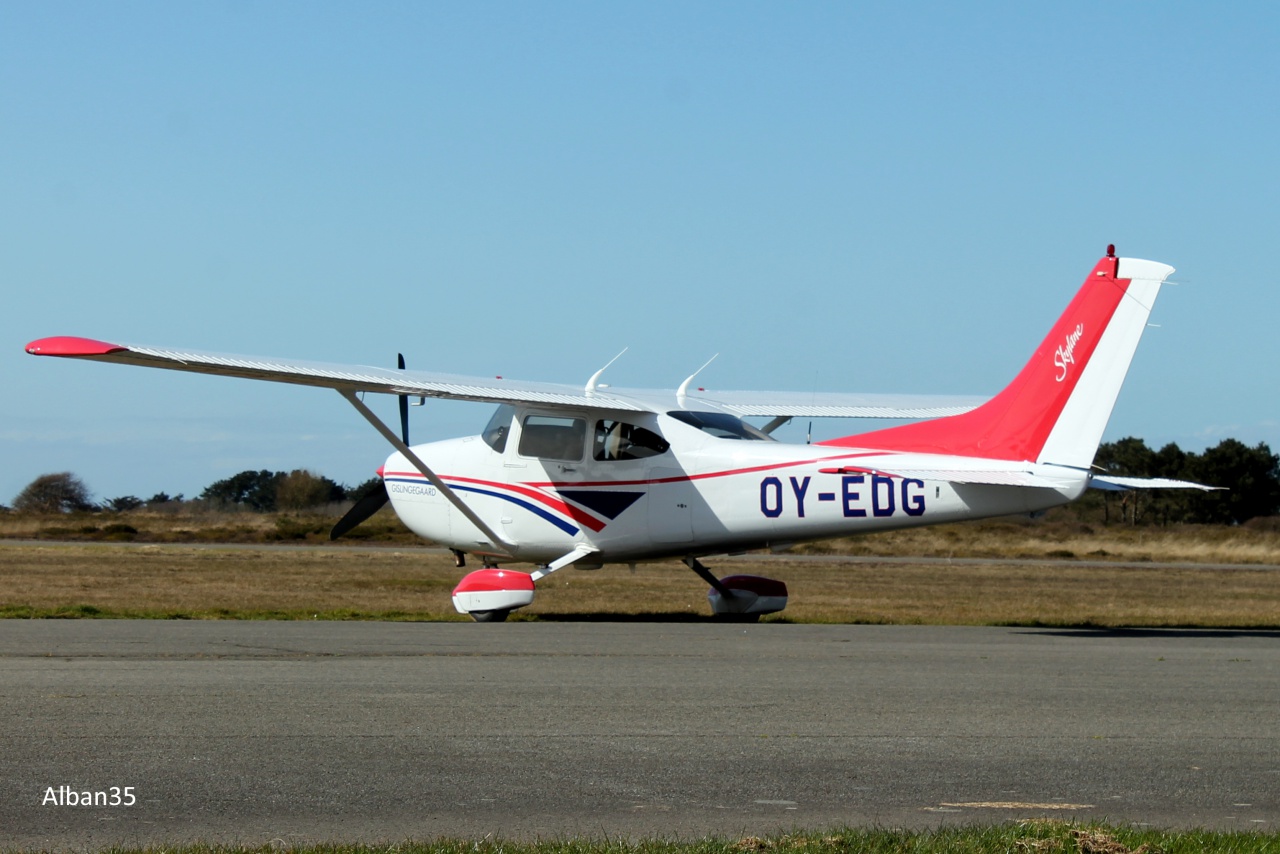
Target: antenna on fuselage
point(594, 382)
point(684, 386)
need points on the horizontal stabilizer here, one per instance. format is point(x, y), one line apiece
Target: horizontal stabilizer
point(1112, 483)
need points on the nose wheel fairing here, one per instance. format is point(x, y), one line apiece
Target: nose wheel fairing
point(487, 591)
point(493, 591)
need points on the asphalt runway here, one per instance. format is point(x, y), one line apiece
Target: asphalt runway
point(250, 732)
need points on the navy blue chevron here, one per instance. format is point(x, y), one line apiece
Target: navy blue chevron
point(608, 504)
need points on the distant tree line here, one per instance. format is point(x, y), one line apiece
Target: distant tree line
point(266, 491)
point(263, 491)
point(1251, 477)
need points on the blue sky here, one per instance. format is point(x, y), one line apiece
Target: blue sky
point(882, 198)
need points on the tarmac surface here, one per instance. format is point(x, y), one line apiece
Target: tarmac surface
point(253, 732)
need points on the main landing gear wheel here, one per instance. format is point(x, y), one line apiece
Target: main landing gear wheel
point(741, 598)
point(496, 616)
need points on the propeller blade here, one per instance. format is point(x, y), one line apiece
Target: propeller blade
point(363, 509)
point(404, 405)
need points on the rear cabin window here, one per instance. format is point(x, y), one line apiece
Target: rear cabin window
point(618, 440)
point(553, 437)
point(722, 425)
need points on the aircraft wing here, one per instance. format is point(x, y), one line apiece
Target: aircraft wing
point(355, 378)
point(365, 378)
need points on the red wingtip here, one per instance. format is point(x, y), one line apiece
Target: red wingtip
point(68, 345)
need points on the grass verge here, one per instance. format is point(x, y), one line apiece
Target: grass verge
point(1029, 836)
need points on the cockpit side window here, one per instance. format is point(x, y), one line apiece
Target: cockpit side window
point(553, 437)
point(722, 425)
point(618, 440)
point(499, 427)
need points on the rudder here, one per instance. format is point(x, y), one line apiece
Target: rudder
point(1057, 407)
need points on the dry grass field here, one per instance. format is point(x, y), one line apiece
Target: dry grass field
point(211, 582)
point(210, 565)
point(1058, 535)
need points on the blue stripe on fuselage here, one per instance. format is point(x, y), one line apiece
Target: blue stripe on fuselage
point(532, 508)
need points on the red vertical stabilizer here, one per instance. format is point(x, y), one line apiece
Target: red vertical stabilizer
point(1016, 423)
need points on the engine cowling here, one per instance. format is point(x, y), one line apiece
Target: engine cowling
point(493, 590)
point(752, 594)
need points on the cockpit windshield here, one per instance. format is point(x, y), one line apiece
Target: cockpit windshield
point(495, 433)
point(722, 425)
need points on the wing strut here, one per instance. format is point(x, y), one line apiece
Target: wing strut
point(775, 424)
point(390, 436)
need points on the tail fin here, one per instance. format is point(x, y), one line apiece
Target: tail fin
point(1055, 410)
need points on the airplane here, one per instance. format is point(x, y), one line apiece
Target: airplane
point(591, 475)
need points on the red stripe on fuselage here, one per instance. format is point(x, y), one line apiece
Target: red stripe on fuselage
point(706, 475)
point(559, 505)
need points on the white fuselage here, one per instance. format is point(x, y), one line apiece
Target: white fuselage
point(703, 494)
